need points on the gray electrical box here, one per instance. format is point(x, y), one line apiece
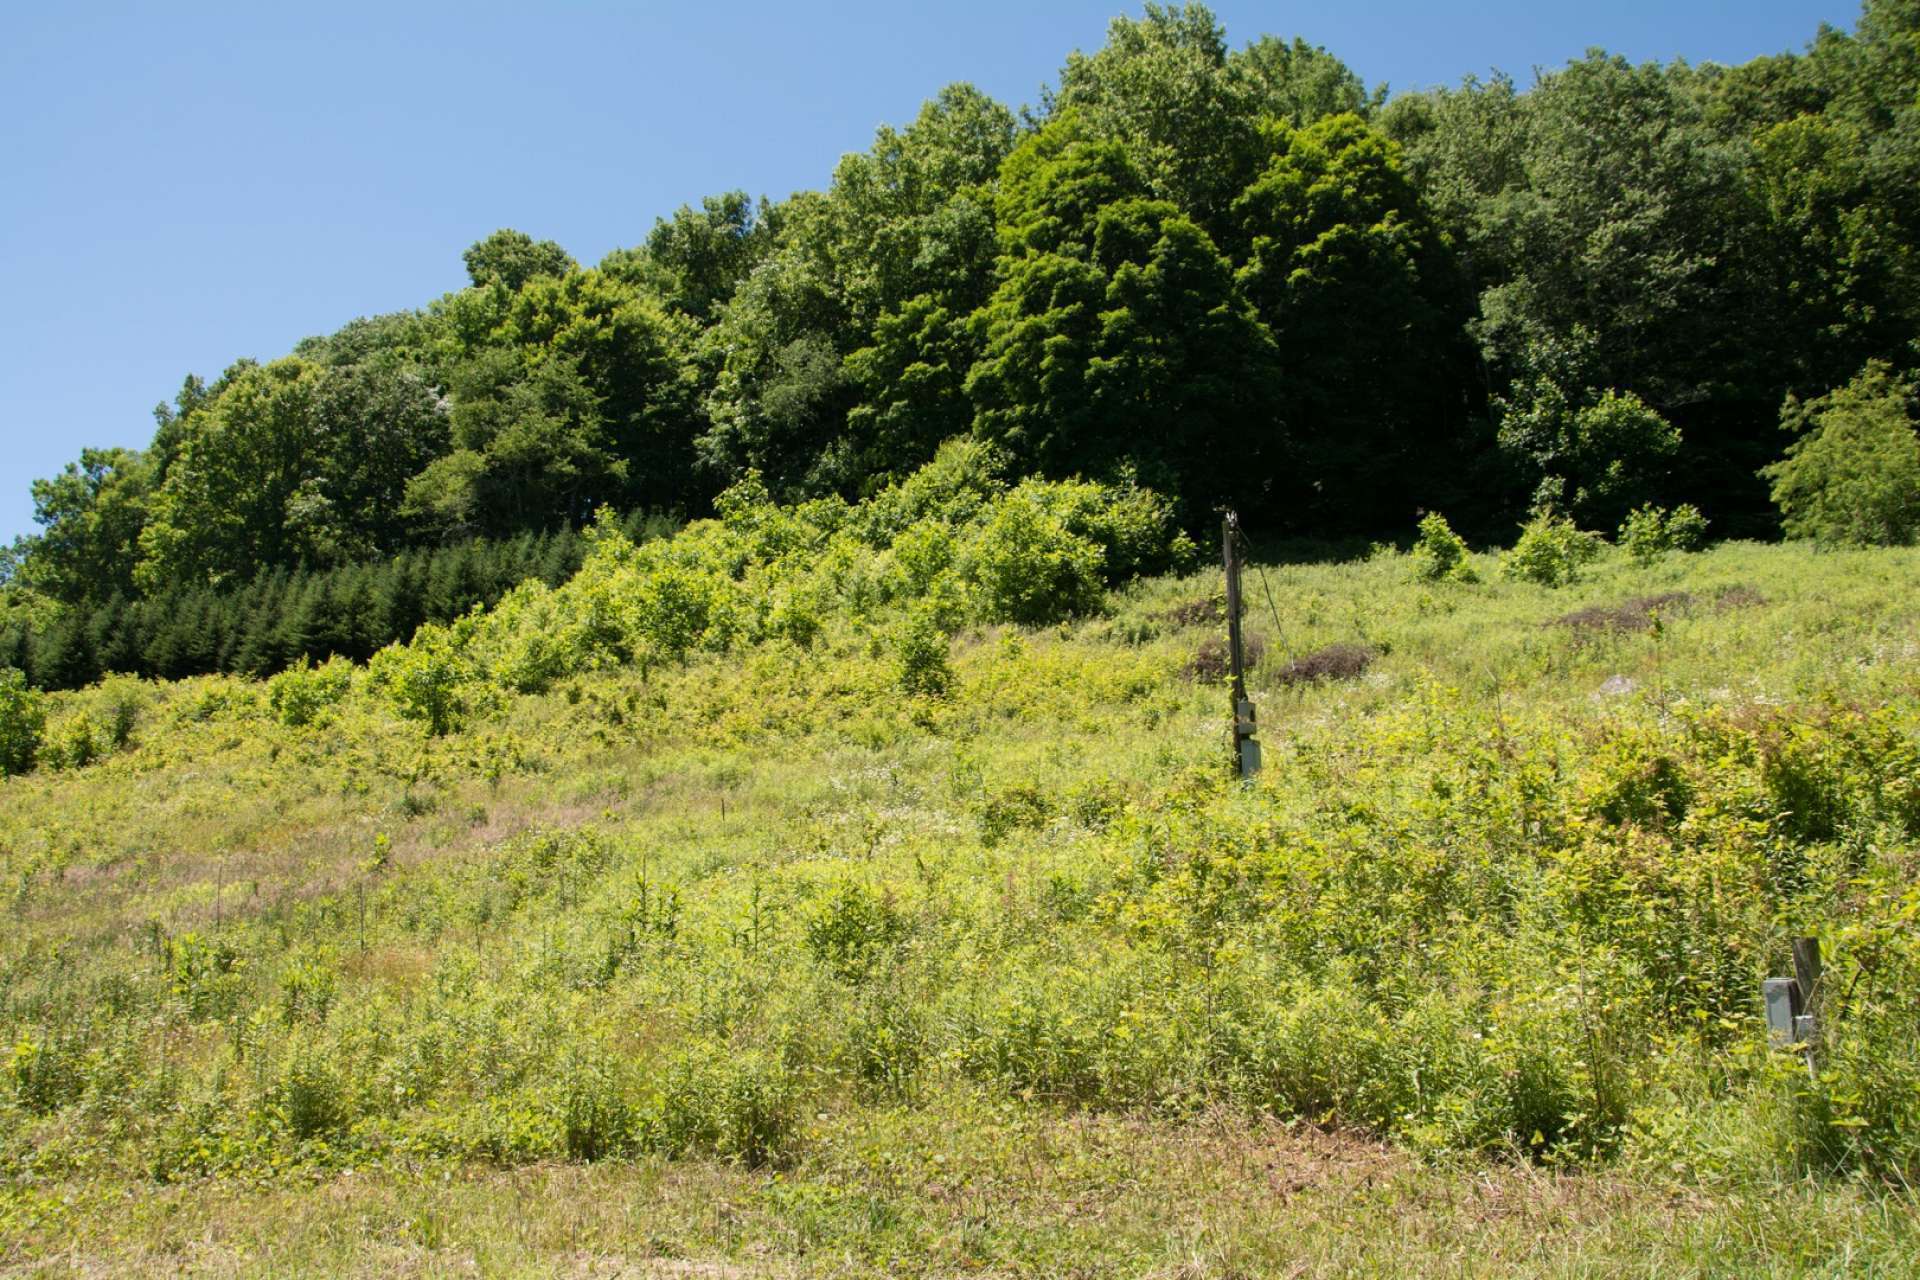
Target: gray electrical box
point(1245, 725)
point(1786, 1025)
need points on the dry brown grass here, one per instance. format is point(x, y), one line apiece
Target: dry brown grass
point(1335, 662)
point(1636, 614)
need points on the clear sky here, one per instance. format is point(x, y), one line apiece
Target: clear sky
point(183, 184)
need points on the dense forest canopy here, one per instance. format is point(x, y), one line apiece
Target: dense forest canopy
point(1235, 275)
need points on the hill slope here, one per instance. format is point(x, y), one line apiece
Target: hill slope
point(761, 959)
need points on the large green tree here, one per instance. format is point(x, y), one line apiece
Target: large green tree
point(1603, 211)
point(510, 258)
point(376, 425)
point(90, 518)
point(1116, 337)
point(632, 353)
point(1851, 477)
point(222, 511)
point(1359, 290)
point(695, 260)
point(531, 449)
point(1162, 86)
point(825, 356)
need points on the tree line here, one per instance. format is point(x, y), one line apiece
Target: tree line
point(1233, 275)
point(283, 614)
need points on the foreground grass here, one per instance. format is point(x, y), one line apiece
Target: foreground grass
point(975, 1187)
point(761, 966)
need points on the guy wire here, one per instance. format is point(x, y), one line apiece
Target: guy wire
point(1278, 630)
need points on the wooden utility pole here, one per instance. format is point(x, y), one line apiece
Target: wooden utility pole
point(1246, 748)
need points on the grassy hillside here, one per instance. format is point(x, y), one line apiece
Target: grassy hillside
point(856, 949)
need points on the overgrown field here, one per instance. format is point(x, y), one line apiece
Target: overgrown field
point(891, 931)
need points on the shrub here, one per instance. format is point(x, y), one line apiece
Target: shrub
point(1623, 443)
point(921, 553)
point(429, 680)
point(1606, 451)
point(1212, 661)
point(920, 654)
point(1133, 527)
point(534, 642)
point(962, 477)
point(119, 700)
point(1550, 551)
point(1643, 534)
point(1649, 532)
point(888, 1042)
point(597, 1118)
point(855, 933)
point(676, 608)
point(1686, 528)
point(46, 1073)
point(206, 977)
point(1024, 806)
point(1853, 476)
point(1440, 554)
point(75, 744)
point(307, 1098)
point(1027, 567)
point(23, 720)
point(736, 1104)
point(303, 692)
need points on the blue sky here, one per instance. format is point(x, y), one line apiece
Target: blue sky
point(186, 184)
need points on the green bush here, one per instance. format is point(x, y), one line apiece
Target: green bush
point(23, 721)
point(923, 551)
point(1601, 450)
point(307, 1099)
point(920, 654)
point(74, 744)
point(595, 1106)
point(1623, 444)
point(302, 693)
point(1550, 551)
point(1852, 478)
point(677, 608)
point(949, 546)
point(1440, 554)
point(120, 699)
point(854, 933)
point(101, 722)
point(737, 1104)
point(964, 475)
point(1649, 532)
point(1020, 807)
point(207, 977)
point(888, 1041)
point(430, 680)
point(1133, 527)
point(46, 1073)
point(1686, 528)
point(1028, 567)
